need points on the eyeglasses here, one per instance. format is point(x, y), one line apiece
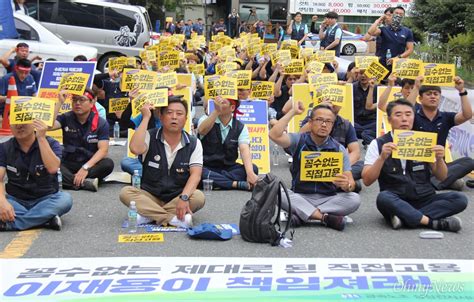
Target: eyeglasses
point(79, 100)
point(321, 121)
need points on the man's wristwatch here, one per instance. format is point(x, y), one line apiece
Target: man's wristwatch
point(85, 167)
point(463, 93)
point(184, 197)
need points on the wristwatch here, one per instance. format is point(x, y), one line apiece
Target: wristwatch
point(463, 93)
point(85, 167)
point(184, 197)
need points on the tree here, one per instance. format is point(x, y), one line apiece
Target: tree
point(444, 17)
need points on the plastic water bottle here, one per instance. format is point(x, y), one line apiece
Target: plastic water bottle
point(275, 154)
point(132, 218)
point(388, 56)
point(136, 180)
point(116, 130)
point(60, 179)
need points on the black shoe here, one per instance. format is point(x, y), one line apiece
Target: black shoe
point(334, 221)
point(54, 224)
point(451, 224)
point(91, 184)
point(3, 226)
point(296, 221)
point(358, 186)
point(470, 183)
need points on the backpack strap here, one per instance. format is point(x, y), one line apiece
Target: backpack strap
point(277, 219)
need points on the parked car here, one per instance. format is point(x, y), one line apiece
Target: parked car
point(114, 29)
point(351, 43)
point(44, 43)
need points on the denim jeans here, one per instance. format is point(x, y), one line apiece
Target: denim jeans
point(129, 165)
point(38, 211)
point(436, 207)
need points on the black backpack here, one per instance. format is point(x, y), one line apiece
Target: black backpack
point(256, 223)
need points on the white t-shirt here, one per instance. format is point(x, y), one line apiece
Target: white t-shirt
point(373, 153)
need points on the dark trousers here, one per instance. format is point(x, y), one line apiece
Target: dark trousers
point(456, 170)
point(357, 169)
point(223, 178)
point(366, 131)
point(435, 207)
point(100, 170)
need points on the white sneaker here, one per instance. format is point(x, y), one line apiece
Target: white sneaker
point(143, 219)
point(290, 160)
point(187, 223)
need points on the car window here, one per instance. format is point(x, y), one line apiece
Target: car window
point(25, 31)
point(79, 14)
point(46, 11)
point(116, 18)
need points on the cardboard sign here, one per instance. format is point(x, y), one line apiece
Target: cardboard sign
point(325, 56)
point(118, 63)
point(269, 48)
point(214, 46)
point(439, 74)
point(376, 71)
point(129, 238)
point(294, 50)
point(365, 61)
point(316, 80)
point(169, 79)
point(188, 97)
point(158, 98)
point(220, 85)
point(74, 83)
point(136, 78)
point(305, 53)
point(314, 67)
point(414, 145)
point(225, 67)
point(407, 68)
point(24, 110)
point(301, 93)
point(320, 166)
point(185, 79)
point(383, 126)
point(197, 69)
point(296, 66)
point(148, 55)
point(118, 104)
point(262, 90)
point(244, 78)
point(254, 50)
point(168, 58)
point(282, 56)
point(334, 93)
point(226, 51)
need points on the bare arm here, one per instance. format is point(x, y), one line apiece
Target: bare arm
point(208, 123)
point(374, 29)
point(7, 213)
point(101, 153)
point(49, 158)
point(4, 59)
point(439, 168)
point(354, 152)
point(466, 108)
point(137, 142)
point(369, 102)
point(382, 102)
point(278, 134)
point(371, 173)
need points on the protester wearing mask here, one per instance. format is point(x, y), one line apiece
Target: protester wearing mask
point(394, 37)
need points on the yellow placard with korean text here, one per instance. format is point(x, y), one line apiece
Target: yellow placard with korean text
point(314, 67)
point(225, 67)
point(325, 56)
point(347, 111)
point(301, 93)
point(363, 62)
point(185, 79)
point(118, 104)
point(320, 166)
point(407, 68)
point(197, 69)
point(376, 71)
point(335, 94)
point(169, 79)
point(148, 55)
point(24, 110)
point(74, 83)
point(220, 86)
point(136, 78)
point(131, 238)
point(282, 56)
point(188, 97)
point(118, 63)
point(214, 46)
point(305, 53)
point(439, 74)
point(296, 66)
point(254, 49)
point(414, 145)
point(169, 58)
point(262, 90)
point(157, 97)
point(244, 78)
point(129, 137)
point(226, 51)
point(269, 48)
point(316, 80)
point(383, 126)
point(56, 134)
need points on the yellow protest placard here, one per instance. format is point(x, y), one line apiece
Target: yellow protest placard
point(157, 97)
point(185, 79)
point(269, 48)
point(333, 93)
point(24, 110)
point(130, 238)
point(363, 62)
point(296, 66)
point(74, 83)
point(407, 68)
point(56, 134)
point(244, 78)
point(326, 56)
point(439, 74)
point(148, 55)
point(254, 49)
point(197, 69)
point(305, 53)
point(220, 85)
point(294, 50)
point(347, 111)
point(169, 19)
point(226, 51)
point(316, 80)
point(214, 46)
point(136, 78)
point(225, 67)
point(169, 79)
point(383, 126)
point(118, 63)
point(376, 71)
point(118, 104)
point(314, 67)
point(281, 56)
point(262, 90)
point(188, 97)
point(168, 58)
point(320, 166)
point(129, 137)
point(301, 93)
point(414, 145)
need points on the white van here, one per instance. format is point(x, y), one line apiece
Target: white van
point(114, 29)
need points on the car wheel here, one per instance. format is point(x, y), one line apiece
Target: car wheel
point(349, 50)
point(104, 61)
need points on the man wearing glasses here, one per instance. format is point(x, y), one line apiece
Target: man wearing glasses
point(312, 200)
point(86, 143)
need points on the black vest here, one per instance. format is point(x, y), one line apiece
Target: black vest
point(309, 187)
point(221, 155)
point(157, 179)
point(28, 181)
point(297, 34)
point(340, 129)
point(331, 37)
point(413, 184)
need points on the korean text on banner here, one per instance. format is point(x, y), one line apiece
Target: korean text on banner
point(220, 85)
point(118, 104)
point(320, 166)
point(414, 145)
point(376, 71)
point(262, 90)
point(74, 83)
point(333, 93)
point(24, 110)
point(243, 77)
point(439, 74)
point(363, 62)
point(141, 79)
point(157, 98)
point(407, 68)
